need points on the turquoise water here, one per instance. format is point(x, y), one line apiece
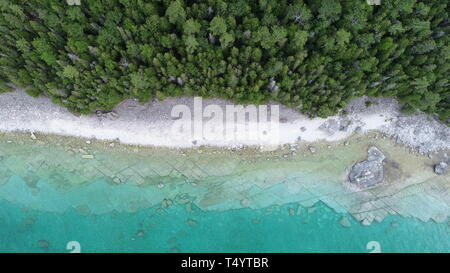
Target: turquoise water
point(178, 229)
point(164, 201)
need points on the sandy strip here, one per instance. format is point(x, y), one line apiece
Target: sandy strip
point(152, 123)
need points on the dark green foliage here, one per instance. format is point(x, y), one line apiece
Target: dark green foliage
point(313, 55)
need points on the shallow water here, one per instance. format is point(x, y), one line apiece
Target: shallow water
point(135, 199)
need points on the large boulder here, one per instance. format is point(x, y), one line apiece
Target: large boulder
point(368, 173)
point(441, 167)
point(330, 126)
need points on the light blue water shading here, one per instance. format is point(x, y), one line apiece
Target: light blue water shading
point(175, 229)
point(217, 202)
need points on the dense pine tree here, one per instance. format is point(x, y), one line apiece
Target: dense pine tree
point(313, 54)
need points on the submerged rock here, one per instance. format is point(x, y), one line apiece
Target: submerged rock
point(345, 222)
point(167, 202)
point(117, 180)
point(140, 233)
point(291, 211)
point(191, 222)
point(188, 207)
point(441, 167)
point(366, 222)
point(83, 210)
point(172, 240)
point(370, 172)
point(175, 250)
point(44, 244)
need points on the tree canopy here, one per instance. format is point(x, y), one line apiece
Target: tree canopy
point(314, 55)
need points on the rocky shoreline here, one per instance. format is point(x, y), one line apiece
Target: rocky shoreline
point(150, 124)
point(222, 178)
point(370, 172)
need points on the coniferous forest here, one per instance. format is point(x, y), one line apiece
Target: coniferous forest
point(314, 55)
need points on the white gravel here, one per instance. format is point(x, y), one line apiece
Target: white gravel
point(151, 123)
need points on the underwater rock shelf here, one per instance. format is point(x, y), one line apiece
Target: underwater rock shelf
point(125, 178)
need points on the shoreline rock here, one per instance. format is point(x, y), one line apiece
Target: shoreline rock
point(150, 124)
point(441, 168)
point(369, 172)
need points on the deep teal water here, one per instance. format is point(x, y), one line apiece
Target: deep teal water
point(175, 229)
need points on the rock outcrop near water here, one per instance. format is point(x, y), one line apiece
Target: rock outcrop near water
point(52, 174)
point(441, 168)
point(368, 173)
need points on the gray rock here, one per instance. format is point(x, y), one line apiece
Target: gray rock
point(344, 124)
point(112, 115)
point(370, 172)
point(117, 180)
point(312, 149)
point(441, 168)
point(330, 126)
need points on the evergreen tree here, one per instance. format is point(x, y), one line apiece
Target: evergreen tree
point(314, 55)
